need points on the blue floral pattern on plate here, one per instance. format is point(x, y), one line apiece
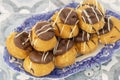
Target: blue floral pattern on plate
point(103, 56)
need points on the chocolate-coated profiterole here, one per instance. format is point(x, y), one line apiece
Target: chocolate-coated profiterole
point(18, 45)
point(65, 53)
point(65, 23)
point(91, 19)
point(42, 36)
point(38, 63)
point(110, 32)
point(86, 42)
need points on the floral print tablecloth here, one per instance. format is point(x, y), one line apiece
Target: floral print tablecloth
point(14, 12)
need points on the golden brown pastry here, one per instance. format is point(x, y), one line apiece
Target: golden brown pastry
point(95, 4)
point(38, 63)
point(65, 23)
point(110, 32)
point(86, 42)
point(18, 45)
point(42, 36)
point(65, 53)
point(91, 19)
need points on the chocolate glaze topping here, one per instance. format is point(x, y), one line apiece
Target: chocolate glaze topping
point(107, 27)
point(44, 30)
point(41, 58)
point(68, 16)
point(63, 46)
point(21, 40)
point(91, 15)
point(82, 36)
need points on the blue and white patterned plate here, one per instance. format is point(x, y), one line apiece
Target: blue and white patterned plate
point(101, 55)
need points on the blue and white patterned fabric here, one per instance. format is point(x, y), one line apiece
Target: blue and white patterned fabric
point(14, 12)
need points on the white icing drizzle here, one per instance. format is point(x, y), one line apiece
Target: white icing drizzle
point(87, 16)
point(99, 11)
point(103, 31)
point(58, 50)
point(62, 29)
point(83, 33)
point(44, 31)
point(54, 50)
point(88, 36)
point(68, 15)
point(45, 56)
point(77, 6)
point(74, 28)
point(29, 35)
point(25, 41)
point(98, 34)
point(68, 42)
point(57, 16)
point(95, 14)
point(42, 27)
point(83, 19)
point(66, 21)
point(19, 34)
point(109, 23)
point(34, 42)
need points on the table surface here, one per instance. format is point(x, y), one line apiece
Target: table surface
point(14, 12)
